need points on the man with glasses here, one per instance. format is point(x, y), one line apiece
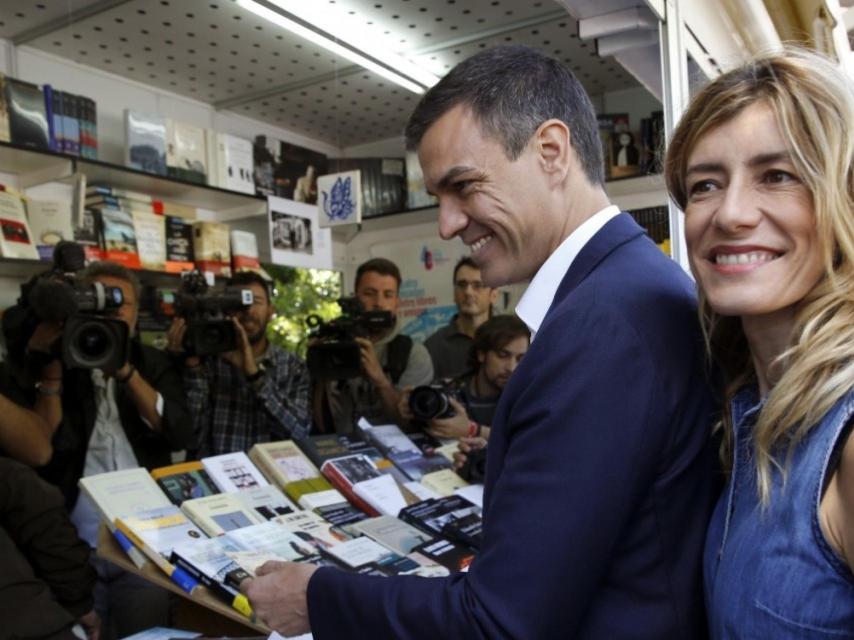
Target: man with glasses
point(449, 346)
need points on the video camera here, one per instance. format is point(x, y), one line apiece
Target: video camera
point(91, 338)
point(209, 329)
point(333, 353)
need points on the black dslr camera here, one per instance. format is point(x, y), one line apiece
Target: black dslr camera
point(209, 329)
point(431, 401)
point(333, 353)
point(91, 338)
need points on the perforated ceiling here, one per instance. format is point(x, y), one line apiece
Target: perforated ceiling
point(219, 53)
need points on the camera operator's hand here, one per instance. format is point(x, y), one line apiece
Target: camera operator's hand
point(457, 426)
point(44, 336)
point(466, 446)
point(370, 364)
point(243, 358)
point(175, 337)
point(403, 406)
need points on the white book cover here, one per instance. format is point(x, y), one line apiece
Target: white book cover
point(208, 556)
point(443, 482)
point(420, 491)
point(339, 199)
point(382, 494)
point(219, 513)
point(150, 230)
point(236, 163)
point(388, 438)
point(244, 251)
point(214, 174)
point(185, 146)
point(266, 502)
point(50, 223)
point(359, 551)
point(123, 493)
point(16, 239)
point(319, 499)
point(397, 535)
point(233, 472)
point(321, 533)
point(162, 528)
point(249, 561)
point(473, 493)
point(272, 537)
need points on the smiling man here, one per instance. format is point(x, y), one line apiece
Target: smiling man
point(599, 470)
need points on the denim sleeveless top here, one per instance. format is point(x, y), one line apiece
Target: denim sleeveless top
point(771, 575)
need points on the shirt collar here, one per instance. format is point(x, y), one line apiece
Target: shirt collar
point(540, 293)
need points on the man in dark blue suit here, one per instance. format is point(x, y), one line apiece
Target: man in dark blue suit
point(599, 470)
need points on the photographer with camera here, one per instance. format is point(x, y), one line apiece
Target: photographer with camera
point(113, 403)
point(257, 392)
point(449, 346)
point(389, 360)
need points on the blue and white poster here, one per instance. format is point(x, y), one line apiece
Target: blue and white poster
point(339, 199)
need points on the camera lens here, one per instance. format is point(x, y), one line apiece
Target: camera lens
point(427, 403)
point(92, 341)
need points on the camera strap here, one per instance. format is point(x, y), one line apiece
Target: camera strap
point(397, 356)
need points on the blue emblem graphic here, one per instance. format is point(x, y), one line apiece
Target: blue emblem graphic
point(338, 203)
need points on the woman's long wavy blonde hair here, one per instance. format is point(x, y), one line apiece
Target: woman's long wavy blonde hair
point(813, 101)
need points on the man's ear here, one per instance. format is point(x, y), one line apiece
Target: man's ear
point(554, 148)
point(493, 296)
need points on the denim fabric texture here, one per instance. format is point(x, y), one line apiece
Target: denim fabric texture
point(769, 571)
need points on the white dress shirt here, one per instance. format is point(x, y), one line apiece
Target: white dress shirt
point(541, 292)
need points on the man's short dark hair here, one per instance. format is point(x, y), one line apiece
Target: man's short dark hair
point(496, 333)
point(465, 261)
point(512, 90)
point(109, 269)
point(245, 278)
point(382, 266)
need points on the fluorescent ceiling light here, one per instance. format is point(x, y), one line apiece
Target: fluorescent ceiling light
point(328, 32)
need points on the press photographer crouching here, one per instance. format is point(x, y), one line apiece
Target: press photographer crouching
point(464, 407)
point(112, 402)
point(241, 393)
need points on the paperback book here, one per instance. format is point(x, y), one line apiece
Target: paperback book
point(233, 472)
point(184, 481)
point(219, 513)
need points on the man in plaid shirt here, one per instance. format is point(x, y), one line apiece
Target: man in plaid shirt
point(257, 393)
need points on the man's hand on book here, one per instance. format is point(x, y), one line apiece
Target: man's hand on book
point(278, 596)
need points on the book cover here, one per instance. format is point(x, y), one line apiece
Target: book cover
point(5, 136)
point(339, 199)
point(90, 122)
point(382, 494)
point(58, 115)
point(70, 124)
point(323, 447)
point(87, 235)
point(214, 170)
point(444, 482)
point(318, 499)
point(341, 514)
point(272, 537)
point(49, 112)
point(150, 230)
point(452, 556)
point(280, 167)
point(216, 514)
point(179, 244)
point(283, 462)
point(121, 493)
point(101, 189)
point(451, 517)
point(184, 481)
point(389, 438)
point(235, 163)
point(416, 465)
point(610, 127)
point(186, 155)
point(363, 551)
point(233, 472)
point(118, 237)
point(313, 529)
point(383, 183)
point(393, 533)
point(50, 223)
point(27, 116)
point(156, 532)
point(207, 562)
point(267, 502)
point(244, 251)
point(16, 239)
point(298, 488)
point(211, 247)
point(345, 472)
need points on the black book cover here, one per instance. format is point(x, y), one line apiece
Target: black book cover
point(444, 552)
point(27, 114)
point(383, 183)
point(341, 514)
point(179, 240)
point(324, 447)
point(434, 515)
point(70, 124)
point(279, 166)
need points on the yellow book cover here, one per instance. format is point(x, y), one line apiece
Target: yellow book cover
point(443, 482)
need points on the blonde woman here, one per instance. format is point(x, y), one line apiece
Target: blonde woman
point(761, 163)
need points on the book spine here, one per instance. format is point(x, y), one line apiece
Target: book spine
point(127, 546)
point(180, 577)
point(48, 107)
point(237, 601)
point(58, 120)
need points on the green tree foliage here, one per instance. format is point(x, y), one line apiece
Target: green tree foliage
point(298, 294)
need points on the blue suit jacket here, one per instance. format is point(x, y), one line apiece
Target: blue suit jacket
point(599, 476)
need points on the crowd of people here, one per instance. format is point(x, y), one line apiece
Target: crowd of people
point(606, 512)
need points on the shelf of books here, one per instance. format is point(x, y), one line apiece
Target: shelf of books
point(379, 502)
